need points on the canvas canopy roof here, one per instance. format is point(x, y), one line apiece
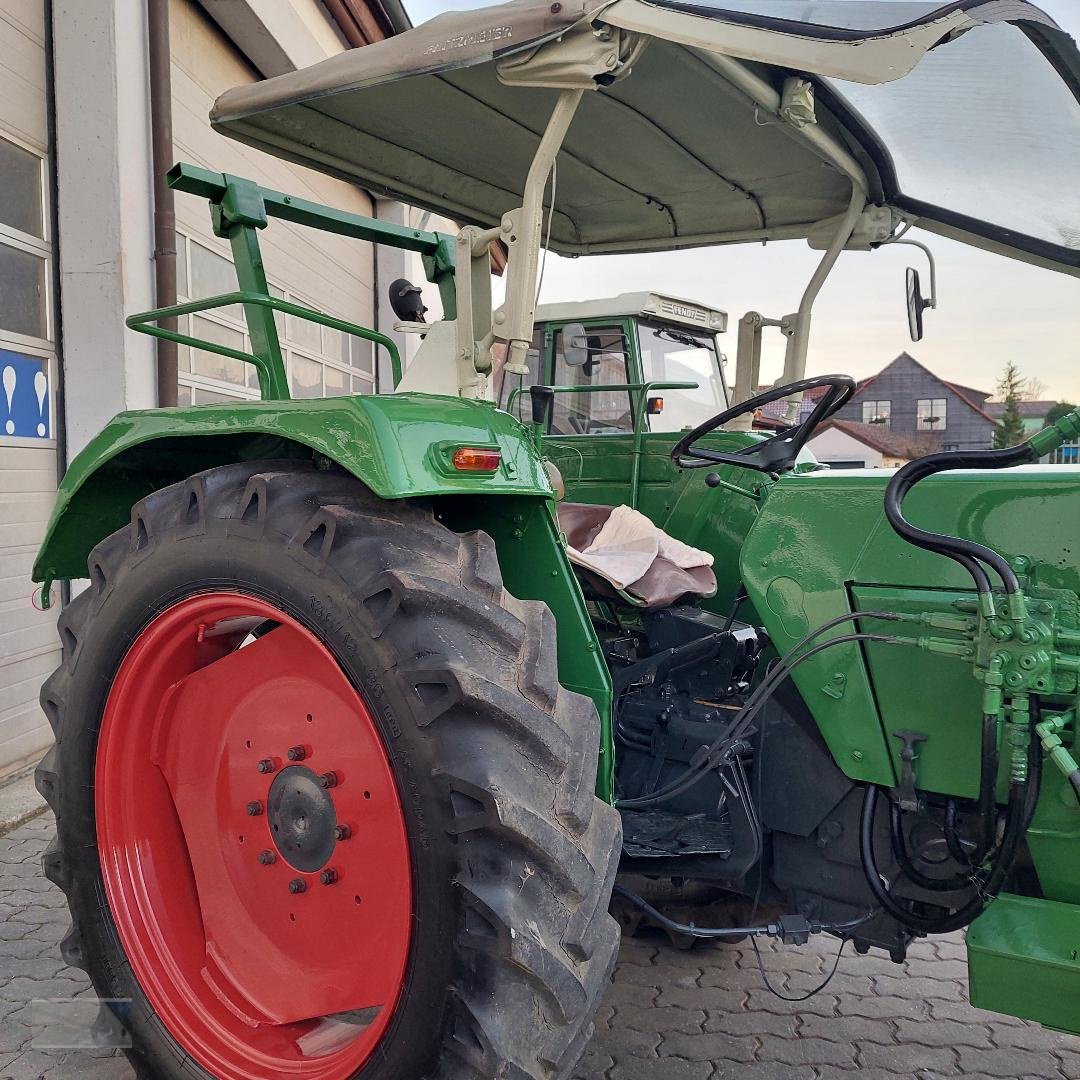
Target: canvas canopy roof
point(678, 152)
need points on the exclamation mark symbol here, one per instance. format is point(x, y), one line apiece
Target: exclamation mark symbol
point(41, 387)
point(9, 393)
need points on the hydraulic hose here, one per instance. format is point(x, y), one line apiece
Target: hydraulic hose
point(1023, 796)
point(900, 851)
point(965, 552)
point(952, 837)
point(987, 788)
point(968, 554)
point(705, 760)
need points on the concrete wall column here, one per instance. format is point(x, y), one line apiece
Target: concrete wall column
point(104, 203)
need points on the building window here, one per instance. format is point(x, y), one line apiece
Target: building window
point(876, 412)
point(27, 362)
point(22, 207)
point(930, 414)
point(24, 251)
point(319, 361)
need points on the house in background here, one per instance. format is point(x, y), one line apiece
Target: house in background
point(907, 399)
point(846, 444)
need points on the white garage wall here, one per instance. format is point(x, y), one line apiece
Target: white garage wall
point(329, 272)
point(837, 445)
point(28, 645)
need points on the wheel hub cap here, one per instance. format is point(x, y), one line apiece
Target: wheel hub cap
point(302, 820)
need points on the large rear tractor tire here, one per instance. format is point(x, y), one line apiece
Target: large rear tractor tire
point(323, 809)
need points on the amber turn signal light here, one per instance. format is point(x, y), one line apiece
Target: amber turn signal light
point(476, 459)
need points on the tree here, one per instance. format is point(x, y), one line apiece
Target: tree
point(1010, 429)
point(1032, 389)
point(1056, 412)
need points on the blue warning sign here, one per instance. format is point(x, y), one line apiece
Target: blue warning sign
point(24, 396)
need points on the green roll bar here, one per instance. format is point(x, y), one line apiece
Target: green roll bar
point(273, 383)
point(638, 393)
point(238, 209)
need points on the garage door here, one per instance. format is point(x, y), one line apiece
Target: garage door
point(28, 650)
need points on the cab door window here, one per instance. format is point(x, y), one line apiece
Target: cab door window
point(600, 411)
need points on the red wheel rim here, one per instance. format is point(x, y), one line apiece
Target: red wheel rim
point(268, 947)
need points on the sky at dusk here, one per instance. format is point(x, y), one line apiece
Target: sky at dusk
point(991, 309)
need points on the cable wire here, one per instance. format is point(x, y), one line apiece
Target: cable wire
point(706, 758)
point(799, 997)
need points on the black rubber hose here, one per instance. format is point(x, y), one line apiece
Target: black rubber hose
point(952, 836)
point(702, 762)
point(903, 857)
point(965, 552)
point(977, 572)
point(1023, 798)
point(988, 816)
point(987, 788)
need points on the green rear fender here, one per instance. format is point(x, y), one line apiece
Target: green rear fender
point(400, 446)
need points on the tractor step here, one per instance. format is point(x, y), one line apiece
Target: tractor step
point(655, 834)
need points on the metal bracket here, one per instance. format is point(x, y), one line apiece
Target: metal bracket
point(909, 755)
point(241, 204)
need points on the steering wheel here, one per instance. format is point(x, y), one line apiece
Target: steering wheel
point(778, 453)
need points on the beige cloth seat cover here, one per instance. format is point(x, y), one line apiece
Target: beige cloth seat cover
point(623, 549)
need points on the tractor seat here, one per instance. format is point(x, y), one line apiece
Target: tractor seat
point(619, 554)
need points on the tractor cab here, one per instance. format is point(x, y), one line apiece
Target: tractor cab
point(635, 339)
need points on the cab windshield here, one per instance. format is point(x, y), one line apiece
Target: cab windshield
point(675, 354)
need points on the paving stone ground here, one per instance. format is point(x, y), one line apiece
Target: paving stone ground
point(702, 1014)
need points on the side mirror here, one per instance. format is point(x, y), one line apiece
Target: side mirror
point(916, 305)
point(575, 345)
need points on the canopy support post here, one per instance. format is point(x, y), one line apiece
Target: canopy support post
point(521, 232)
point(748, 363)
point(799, 322)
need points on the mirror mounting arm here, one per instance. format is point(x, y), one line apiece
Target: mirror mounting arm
point(932, 303)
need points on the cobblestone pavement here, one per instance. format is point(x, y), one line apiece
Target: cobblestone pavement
point(670, 1015)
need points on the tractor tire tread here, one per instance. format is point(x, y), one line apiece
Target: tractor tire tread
point(536, 852)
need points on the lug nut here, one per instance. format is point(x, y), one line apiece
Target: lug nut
point(342, 832)
point(254, 809)
point(296, 753)
point(297, 885)
point(328, 779)
point(265, 766)
point(267, 858)
point(328, 876)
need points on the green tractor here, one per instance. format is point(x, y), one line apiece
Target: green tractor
point(360, 726)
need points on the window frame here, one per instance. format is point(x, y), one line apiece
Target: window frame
point(920, 420)
point(41, 348)
point(640, 323)
point(249, 391)
point(878, 402)
point(632, 360)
